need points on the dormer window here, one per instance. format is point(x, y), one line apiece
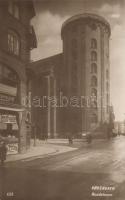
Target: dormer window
point(13, 9)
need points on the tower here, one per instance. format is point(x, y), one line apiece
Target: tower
point(86, 70)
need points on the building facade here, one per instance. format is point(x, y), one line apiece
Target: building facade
point(17, 38)
point(79, 78)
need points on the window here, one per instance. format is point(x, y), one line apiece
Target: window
point(93, 56)
point(93, 68)
point(13, 43)
point(13, 9)
point(93, 43)
point(8, 76)
point(93, 81)
point(94, 98)
point(94, 92)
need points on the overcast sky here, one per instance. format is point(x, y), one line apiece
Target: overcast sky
point(50, 14)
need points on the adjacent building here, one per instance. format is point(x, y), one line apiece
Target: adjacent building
point(71, 90)
point(17, 38)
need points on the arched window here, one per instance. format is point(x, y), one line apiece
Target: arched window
point(93, 81)
point(93, 56)
point(93, 68)
point(93, 98)
point(94, 92)
point(93, 43)
point(13, 42)
point(94, 118)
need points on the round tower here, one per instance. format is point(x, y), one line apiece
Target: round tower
point(86, 67)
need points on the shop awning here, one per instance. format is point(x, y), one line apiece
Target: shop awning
point(13, 108)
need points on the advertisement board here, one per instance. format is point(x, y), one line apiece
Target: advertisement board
point(12, 148)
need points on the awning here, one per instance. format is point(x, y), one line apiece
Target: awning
point(16, 108)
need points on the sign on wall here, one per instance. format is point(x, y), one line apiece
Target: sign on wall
point(12, 148)
point(8, 119)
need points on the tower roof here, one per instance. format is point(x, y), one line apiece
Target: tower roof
point(86, 16)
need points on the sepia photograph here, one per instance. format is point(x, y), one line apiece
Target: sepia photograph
point(62, 99)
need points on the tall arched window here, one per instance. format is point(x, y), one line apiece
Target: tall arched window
point(93, 68)
point(13, 42)
point(94, 92)
point(93, 43)
point(93, 56)
point(93, 98)
point(93, 81)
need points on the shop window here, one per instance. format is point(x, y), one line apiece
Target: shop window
point(93, 68)
point(93, 43)
point(93, 81)
point(13, 43)
point(93, 56)
point(13, 9)
point(94, 118)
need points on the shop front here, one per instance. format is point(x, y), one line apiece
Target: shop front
point(9, 130)
point(10, 109)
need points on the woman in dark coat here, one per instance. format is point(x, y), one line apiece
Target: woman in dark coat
point(3, 152)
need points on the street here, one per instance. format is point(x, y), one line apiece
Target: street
point(69, 176)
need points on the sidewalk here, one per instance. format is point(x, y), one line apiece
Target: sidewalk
point(41, 150)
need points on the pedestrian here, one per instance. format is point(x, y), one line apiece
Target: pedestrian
point(70, 138)
point(3, 152)
point(89, 138)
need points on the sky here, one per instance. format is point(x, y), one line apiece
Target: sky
point(50, 14)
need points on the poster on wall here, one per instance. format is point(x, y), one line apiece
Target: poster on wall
point(62, 71)
point(12, 148)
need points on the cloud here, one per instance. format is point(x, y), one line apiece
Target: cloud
point(48, 31)
point(48, 22)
